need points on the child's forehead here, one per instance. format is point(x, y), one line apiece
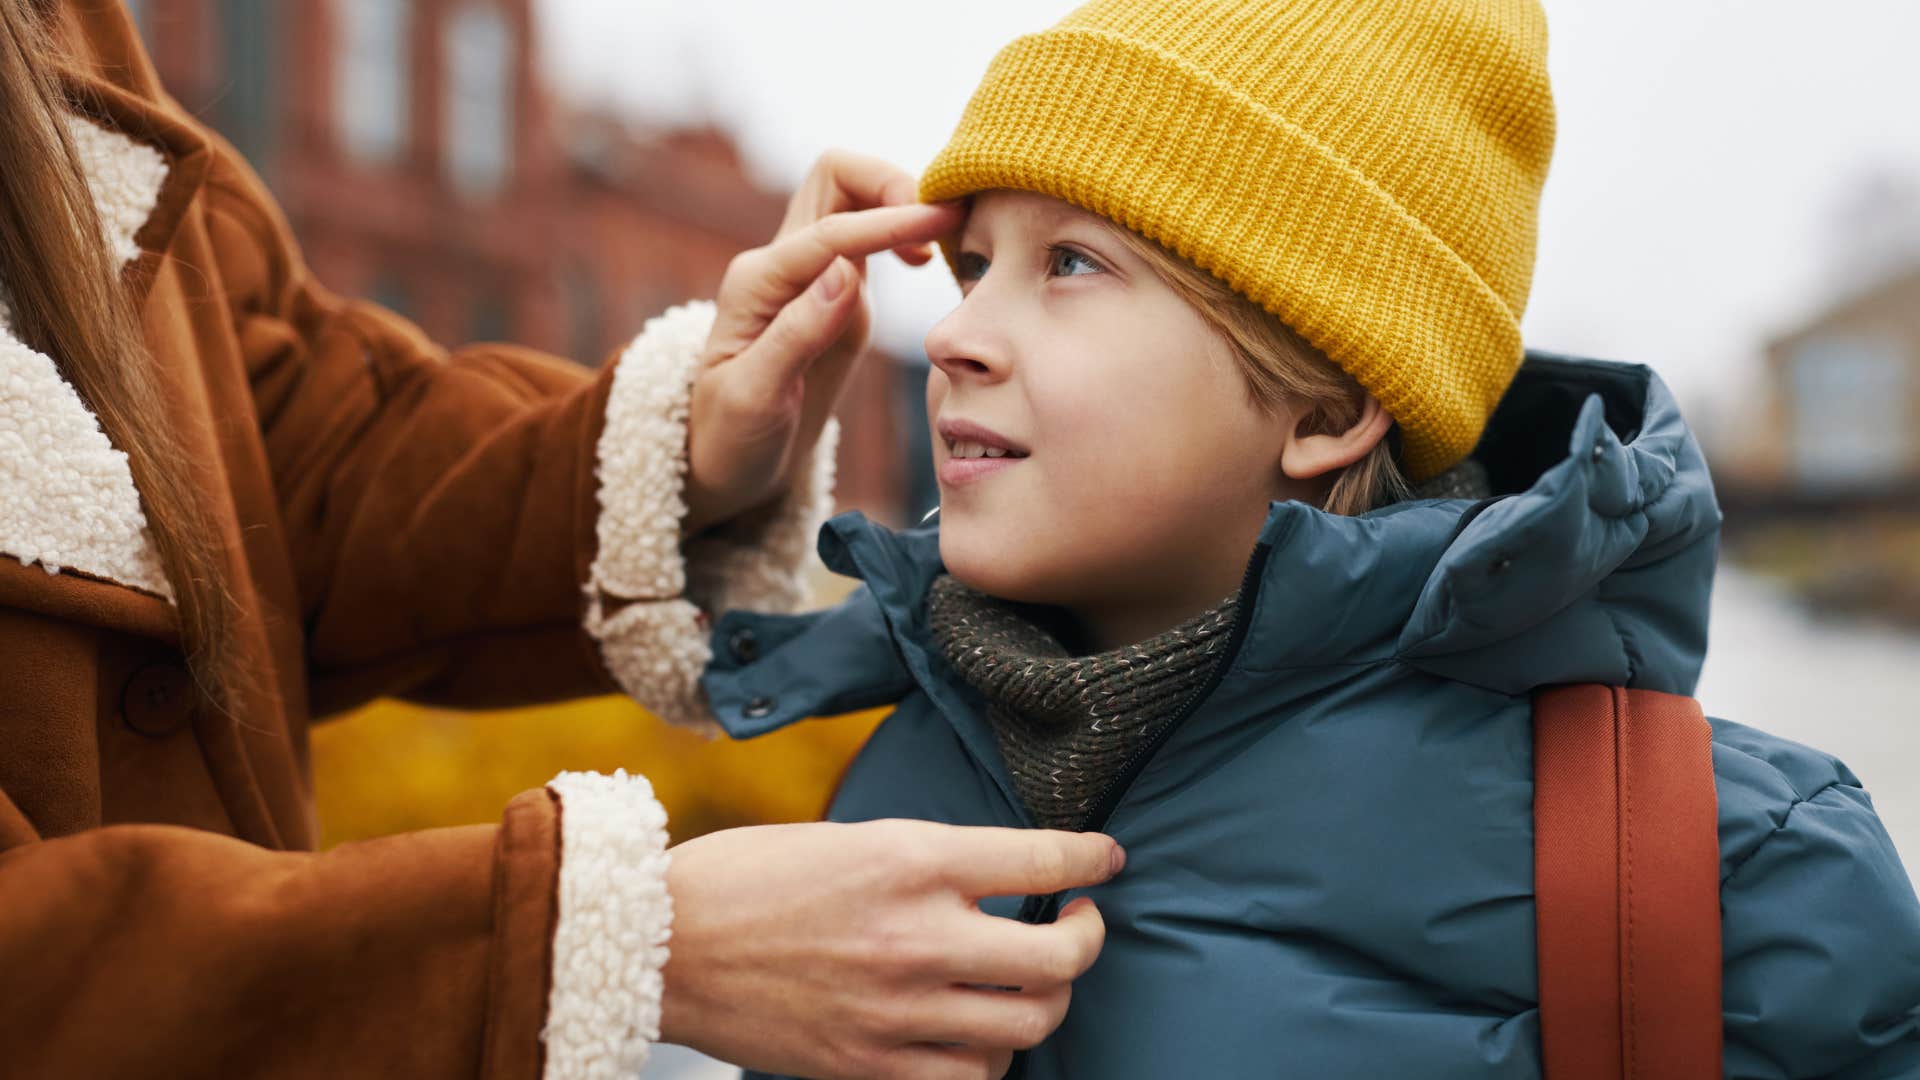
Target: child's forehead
point(1000, 209)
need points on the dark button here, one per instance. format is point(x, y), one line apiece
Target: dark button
point(158, 700)
point(745, 645)
point(758, 709)
point(1502, 564)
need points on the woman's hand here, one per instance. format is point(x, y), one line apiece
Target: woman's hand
point(830, 950)
point(792, 320)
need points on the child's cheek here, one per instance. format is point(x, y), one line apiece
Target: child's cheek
point(937, 387)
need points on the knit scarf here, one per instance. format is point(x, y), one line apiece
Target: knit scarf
point(1067, 724)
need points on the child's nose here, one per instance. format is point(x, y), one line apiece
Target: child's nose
point(961, 346)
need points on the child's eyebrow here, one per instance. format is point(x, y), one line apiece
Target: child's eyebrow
point(1068, 214)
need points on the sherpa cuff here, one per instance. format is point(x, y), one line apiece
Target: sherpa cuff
point(610, 938)
point(647, 592)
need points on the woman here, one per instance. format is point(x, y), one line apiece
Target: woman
point(233, 501)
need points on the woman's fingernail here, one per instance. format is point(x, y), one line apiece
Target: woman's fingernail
point(831, 282)
point(1119, 858)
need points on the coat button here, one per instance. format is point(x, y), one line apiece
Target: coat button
point(745, 645)
point(758, 709)
point(158, 700)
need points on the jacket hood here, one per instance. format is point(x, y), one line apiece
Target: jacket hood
point(1592, 562)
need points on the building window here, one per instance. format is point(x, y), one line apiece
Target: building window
point(479, 99)
point(245, 111)
point(1850, 408)
point(371, 99)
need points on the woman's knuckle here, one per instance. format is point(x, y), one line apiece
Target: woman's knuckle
point(737, 399)
point(895, 1018)
point(831, 231)
point(915, 863)
point(746, 265)
point(892, 951)
point(866, 1059)
point(1058, 962)
point(842, 1051)
point(1047, 863)
point(865, 1022)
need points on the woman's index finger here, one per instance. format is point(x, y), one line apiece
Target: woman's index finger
point(985, 862)
point(795, 261)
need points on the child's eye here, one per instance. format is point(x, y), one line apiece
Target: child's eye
point(970, 266)
point(1066, 262)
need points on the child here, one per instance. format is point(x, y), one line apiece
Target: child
point(1236, 275)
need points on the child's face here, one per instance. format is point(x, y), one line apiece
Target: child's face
point(1140, 467)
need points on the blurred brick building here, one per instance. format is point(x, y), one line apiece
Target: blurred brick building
point(423, 164)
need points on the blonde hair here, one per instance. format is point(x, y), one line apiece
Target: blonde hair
point(1283, 369)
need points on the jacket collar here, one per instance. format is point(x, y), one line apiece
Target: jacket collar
point(184, 152)
point(1593, 564)
point(142, 169)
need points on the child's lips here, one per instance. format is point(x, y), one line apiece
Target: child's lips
point(957, 472)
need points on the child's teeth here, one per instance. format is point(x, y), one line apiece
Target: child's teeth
point(969, 450)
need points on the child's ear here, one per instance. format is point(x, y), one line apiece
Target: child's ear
point(1305, 456)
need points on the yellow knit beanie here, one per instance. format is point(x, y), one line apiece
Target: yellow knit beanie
point(1369, 171)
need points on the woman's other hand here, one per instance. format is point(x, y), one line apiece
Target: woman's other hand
point(792, 319)
point(830, 950)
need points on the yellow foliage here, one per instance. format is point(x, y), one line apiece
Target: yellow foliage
point(393, 767)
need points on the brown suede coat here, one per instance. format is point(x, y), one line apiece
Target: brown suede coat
point(398, 520)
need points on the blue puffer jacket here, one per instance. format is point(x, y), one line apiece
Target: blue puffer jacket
point(1330, 867)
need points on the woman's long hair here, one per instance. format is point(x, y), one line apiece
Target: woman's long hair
point(62, 286)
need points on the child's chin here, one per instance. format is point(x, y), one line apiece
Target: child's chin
point(977, 562)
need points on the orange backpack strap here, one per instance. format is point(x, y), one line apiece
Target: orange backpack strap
point(1627, 885)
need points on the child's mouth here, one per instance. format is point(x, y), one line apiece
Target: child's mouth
point(967, 450)
point(968, 461)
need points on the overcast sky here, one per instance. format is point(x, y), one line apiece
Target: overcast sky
point(1708, 149)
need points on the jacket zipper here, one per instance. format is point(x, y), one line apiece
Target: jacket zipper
point(1037, 909)
point(1041, 908)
